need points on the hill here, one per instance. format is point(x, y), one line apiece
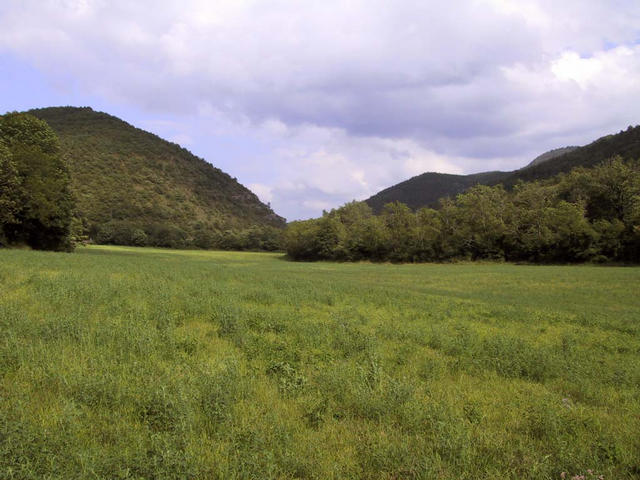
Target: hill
point(428, 188)
point(133, 187)
point(626, 144)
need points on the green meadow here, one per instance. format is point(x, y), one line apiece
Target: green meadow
point(127, 363)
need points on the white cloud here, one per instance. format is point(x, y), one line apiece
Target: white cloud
point(570, 66)
point(264, 192)
point(321, 168)
point(573, 92)
point(529, 11)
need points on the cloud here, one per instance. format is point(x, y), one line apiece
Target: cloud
point(264, 192)
point(570, 66)
point(324, 167)
point(317, 103)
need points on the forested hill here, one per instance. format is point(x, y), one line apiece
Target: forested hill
point(625, 144)
point(428, 188)
point(132, 187)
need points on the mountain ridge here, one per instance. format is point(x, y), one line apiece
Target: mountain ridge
point(428, 188)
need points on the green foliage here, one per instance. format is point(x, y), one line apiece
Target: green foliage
point(301, 240)
point(9, 190)
point(400, 224)
point(133, 188)
point(122, 362)
point(484, 214)
point(40, 200)
point(587, 215)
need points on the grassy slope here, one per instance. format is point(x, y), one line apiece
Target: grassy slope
point(428, 188)
point(131, 363)
point(124, 173)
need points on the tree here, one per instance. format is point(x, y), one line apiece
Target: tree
point(529, 235)
point(607, 189)
point(300, 240)
point(43, 218)
point(485, 214)
point(352, 213)
point(9, 191)
point(138, 237)
point(428, 239)
point(610, 193)
point(401, 223)
point(573, 236)
point(361, 235)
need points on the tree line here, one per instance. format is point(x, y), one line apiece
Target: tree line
point(589, 214)
point(200, 236)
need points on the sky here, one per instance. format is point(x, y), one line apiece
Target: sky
point(312, 104)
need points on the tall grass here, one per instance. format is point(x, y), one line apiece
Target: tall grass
point(138, 363)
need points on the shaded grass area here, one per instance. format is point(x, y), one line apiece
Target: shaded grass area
point(141, 363)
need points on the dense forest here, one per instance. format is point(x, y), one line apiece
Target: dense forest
point(133, 188)
point(427, 189)
point(588, 214)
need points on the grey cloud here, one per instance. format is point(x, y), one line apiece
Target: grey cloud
point(405, 68)
point(469, 80)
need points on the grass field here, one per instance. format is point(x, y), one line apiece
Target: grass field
point(140, 363)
